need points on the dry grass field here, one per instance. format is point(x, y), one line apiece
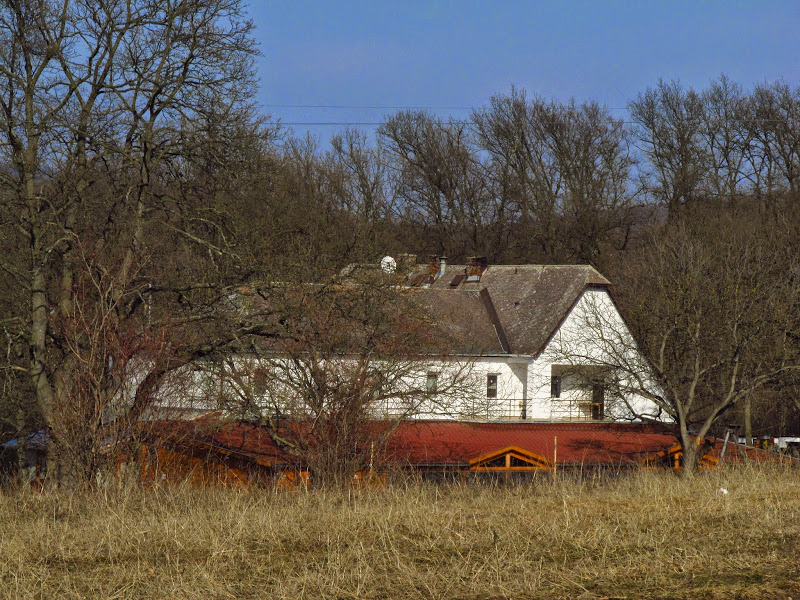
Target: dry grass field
point(646, 535)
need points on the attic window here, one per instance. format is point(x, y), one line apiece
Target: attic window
point(476, 265)
point(491, 385)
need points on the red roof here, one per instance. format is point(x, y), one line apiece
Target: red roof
point(738, 453)
point(449, 443)
point(455, 443)
point(240, 439)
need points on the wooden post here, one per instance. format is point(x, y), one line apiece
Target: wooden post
point(555, 454)
point(741, 450)
point(371, 477)
point(144, 464)
point(724, 447)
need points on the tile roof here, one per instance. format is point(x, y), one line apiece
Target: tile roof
point(736, 453)
point(241, 439)
point(530, 302)
point(513, 309)
point(458, 321)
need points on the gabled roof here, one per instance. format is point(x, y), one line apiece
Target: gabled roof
point(510, 309)
point(529, 301)
point(458, 320)
point(510, 457)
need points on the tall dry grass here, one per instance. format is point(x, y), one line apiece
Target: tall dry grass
point(647, 535)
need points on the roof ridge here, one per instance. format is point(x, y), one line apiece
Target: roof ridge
point(517, 265)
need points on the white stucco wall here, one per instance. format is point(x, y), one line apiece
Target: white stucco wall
point(593, 337)
point(512, 381)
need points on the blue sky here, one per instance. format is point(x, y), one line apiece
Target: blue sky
point(458, 54)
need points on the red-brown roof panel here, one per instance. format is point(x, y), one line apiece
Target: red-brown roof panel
point(455, 443)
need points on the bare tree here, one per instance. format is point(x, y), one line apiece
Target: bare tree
point(711, 322)
point(669, 129)
point(359, 177)
point(352, 361)
point(439, 182)
point(774, 124)
point(95, 102)
point(728, 135)
point(98, 397)
point(564, 172)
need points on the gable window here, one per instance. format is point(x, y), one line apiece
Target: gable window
point(555, 386)
point(491, 385)
point(432, 383)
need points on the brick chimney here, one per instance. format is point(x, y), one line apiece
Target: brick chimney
point(406, 262)
point(476, 265)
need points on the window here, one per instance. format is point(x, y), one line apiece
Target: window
point(491, 385)
point(432, 383)
point(259, 382)
point(598, 402)
point(555, 386)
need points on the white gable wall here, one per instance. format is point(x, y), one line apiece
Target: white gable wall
point(593, 337)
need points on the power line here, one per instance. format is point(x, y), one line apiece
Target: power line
point(355, 106)
point(375, 123)
point(464, 122)
point(391, 107)
point(325, 123)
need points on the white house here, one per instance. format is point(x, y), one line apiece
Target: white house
point(545, 341)
point(529, 342)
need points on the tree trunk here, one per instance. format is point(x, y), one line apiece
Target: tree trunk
point(690, 458)
point(689, 448)
point(22, 448)
point(748, 420)
point(38, 339)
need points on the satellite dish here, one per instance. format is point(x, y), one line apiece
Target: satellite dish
point(388, 264)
